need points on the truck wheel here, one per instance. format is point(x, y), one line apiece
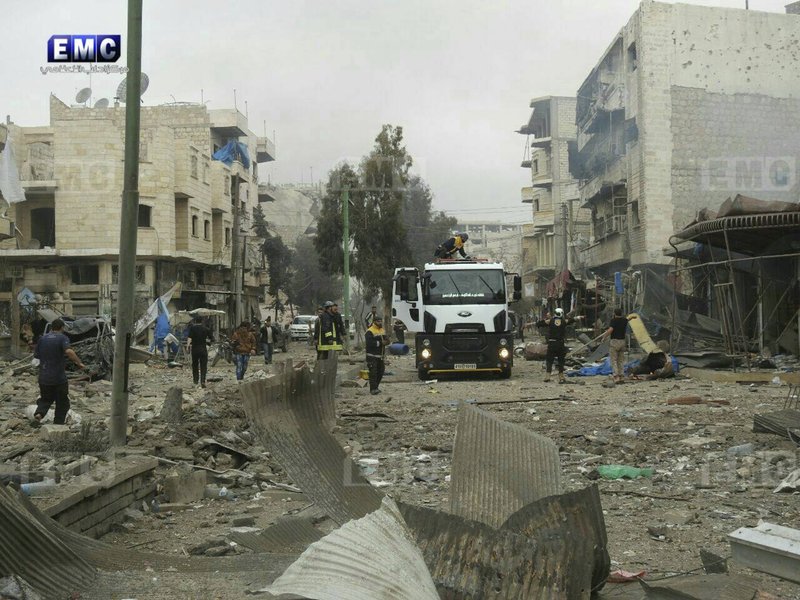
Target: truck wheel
point(423, 374)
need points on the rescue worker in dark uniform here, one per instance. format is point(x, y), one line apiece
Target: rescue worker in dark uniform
point(556, 332)
point(326, 334)
point(448, 248)
point(375, 340)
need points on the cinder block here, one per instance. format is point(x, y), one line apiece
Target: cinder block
point(185, 488)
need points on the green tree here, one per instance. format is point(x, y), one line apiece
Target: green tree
point(310, 285)
point(276, 254)
point(425, 229)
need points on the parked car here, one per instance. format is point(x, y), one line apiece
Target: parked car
point(298, 330)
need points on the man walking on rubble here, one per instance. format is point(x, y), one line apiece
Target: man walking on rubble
point(198, 338)
point(244, 346)
point(51, 350)
point(616, 353)
point(267, 340)
point(556, 332)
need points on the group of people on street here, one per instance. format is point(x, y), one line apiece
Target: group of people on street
point(656, 365)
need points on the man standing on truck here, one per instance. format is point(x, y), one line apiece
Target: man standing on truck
point(556, 332)
point(375, 340)
point(448, 248)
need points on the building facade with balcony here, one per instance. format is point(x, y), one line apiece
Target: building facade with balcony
point(63, 240)
point(688, 106)
point(558, 228)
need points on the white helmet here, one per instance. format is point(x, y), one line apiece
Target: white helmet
point(559, 312)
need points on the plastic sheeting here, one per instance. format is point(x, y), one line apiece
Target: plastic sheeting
point(232, 151)
point(604, 368)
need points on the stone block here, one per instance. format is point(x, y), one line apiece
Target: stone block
point(51, 432)
point(185, 488)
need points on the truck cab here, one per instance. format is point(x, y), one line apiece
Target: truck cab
point(458, 311)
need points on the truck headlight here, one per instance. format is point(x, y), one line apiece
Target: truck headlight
point(426, 342)
point(426, 354)
point(503, 341)
point(504, 353)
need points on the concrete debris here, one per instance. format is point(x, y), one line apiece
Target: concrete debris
point(185, 487)
point(16, 588)
point(368, 558)
point(790, 484)
point(172, 410)
point(499, 467)
point(769, 548)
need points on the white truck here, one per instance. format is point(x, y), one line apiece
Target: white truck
point(458, 311)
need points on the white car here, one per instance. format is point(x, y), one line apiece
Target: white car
point(299, 328)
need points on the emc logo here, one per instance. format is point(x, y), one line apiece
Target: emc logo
point(84, 48)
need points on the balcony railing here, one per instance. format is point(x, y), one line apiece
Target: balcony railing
point(606, 226)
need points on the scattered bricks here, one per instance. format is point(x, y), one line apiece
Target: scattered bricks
point(185, 488)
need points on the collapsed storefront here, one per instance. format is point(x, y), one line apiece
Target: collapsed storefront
point(735, 280)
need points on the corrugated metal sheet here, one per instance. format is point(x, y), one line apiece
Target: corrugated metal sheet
point(27, 549)
point(291, 414)
point(470, 560)
point(553, 548)
point(575, 520)
point(292, 534)
point(116, 558)
point(700, 587)
point(778, 422)
point(370, 558)
point(499, 467)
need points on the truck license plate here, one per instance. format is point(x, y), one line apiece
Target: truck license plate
point(464, 366)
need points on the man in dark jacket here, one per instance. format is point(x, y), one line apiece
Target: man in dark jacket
point(267, 333)
point(556, 332)
point(199, 338)
point(51, 350)
point(339, 321)
point(375, 340)
point(448, 248)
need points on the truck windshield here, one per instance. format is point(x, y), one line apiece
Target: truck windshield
point(474, 286)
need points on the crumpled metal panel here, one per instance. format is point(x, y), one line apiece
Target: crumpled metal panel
point(553, 548)
point(703, 587)
point(499, 467)
point(116, 558)
point(27, 549)
point(574, 521)
point(780, 422)
point(366, 559)
point(290, 414)
point(292, 534)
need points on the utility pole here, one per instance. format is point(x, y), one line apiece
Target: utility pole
point(346, 269)
point(564, 234)
point(236, 278)
point(128, 226)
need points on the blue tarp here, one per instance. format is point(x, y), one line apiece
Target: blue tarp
point(604, 368)
point(232, 151)
point(618, 283)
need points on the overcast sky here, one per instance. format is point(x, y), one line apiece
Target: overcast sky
point(325, 75)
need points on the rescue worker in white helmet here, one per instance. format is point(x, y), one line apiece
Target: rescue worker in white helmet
point(449, 247)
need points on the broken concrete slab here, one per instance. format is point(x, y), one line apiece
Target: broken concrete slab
point(768, 548)
point(185, 487)
point(371, 557)
point(172, 410)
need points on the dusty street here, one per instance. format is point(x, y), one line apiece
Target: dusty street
point(403, 439)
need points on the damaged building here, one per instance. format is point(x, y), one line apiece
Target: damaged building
point(62, 242)
point(558, 226)
point(688, 106)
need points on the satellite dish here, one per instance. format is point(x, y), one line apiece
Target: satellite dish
point(102, 103)
point(83, 95)
point(122, 89)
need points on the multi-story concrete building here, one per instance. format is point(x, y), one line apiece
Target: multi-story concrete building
point(65, 236)
point(552, 240)
point(688, 105)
